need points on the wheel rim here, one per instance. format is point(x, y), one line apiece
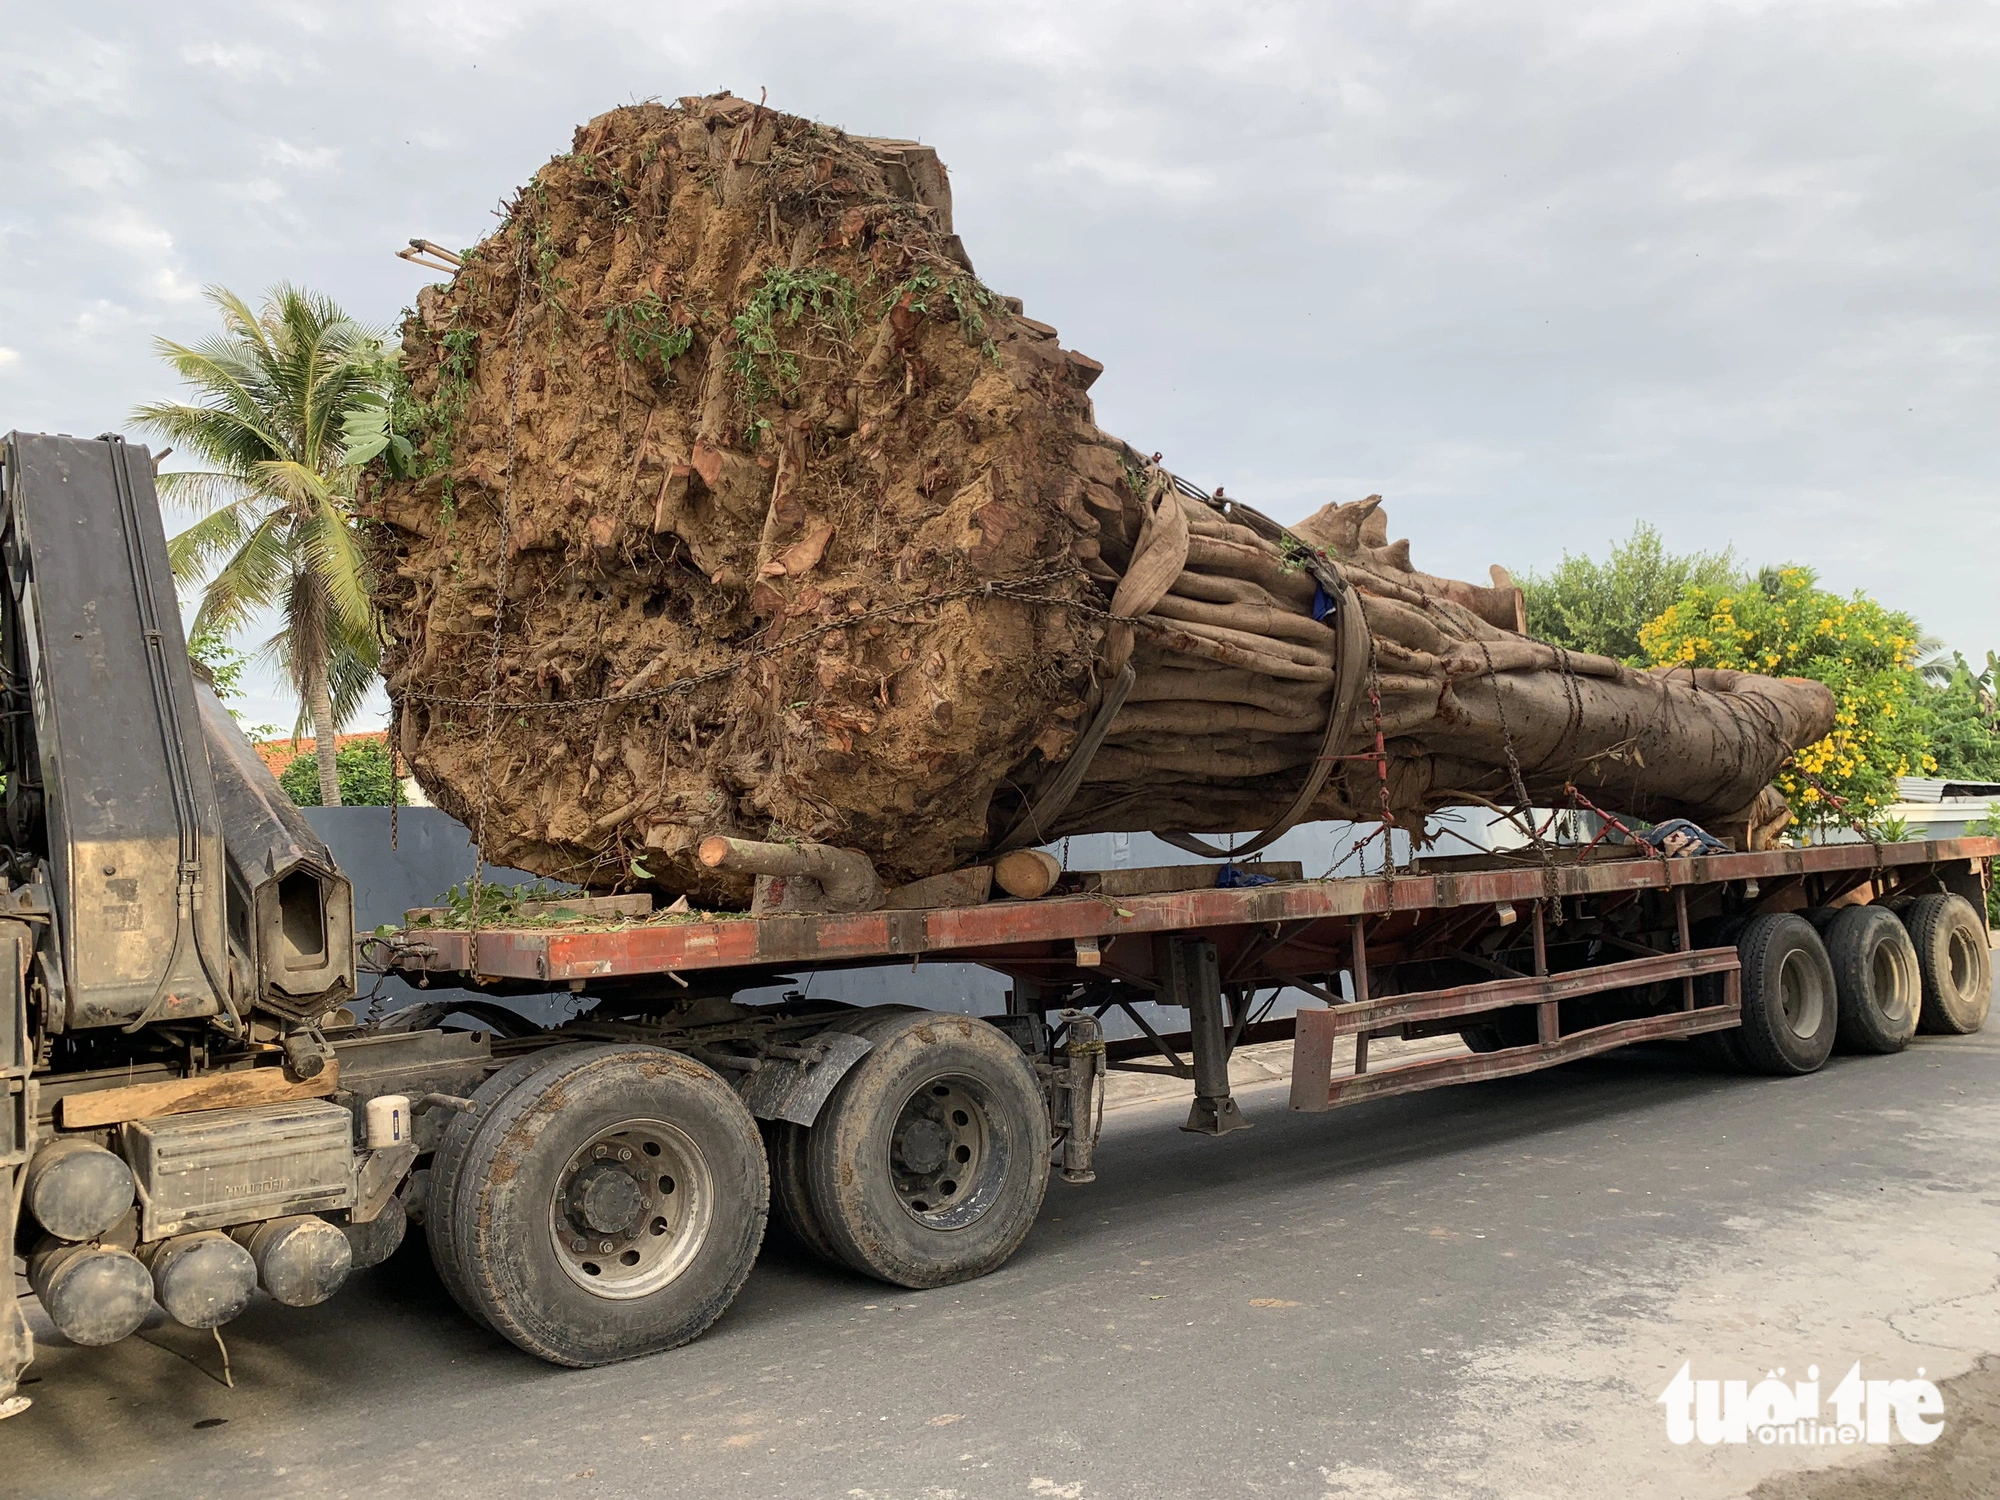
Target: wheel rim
point(631, 1208)
point(1893, 979)
point(1799, 997)
point(948, 1157)
point(1964, 965)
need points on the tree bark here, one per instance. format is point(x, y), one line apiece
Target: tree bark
point(319, 706)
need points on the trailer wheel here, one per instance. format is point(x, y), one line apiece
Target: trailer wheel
point(1790, 1013)
point(1875, 976)
point(610, 1204)
point(1957, 967)
point(449, 1157)
point(791, 1200)
point(1516, 1026)
point(929, 1161)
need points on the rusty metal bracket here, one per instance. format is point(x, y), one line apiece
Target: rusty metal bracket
point(377, 1178)
point(1315, 1088)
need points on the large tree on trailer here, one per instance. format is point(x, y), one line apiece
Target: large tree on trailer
point(743, 507)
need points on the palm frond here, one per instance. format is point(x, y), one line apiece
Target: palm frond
point(250, 580)
point(197, 551)
point(326, 542)
point(199, 491)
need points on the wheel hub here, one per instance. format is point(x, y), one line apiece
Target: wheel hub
point(631, 1208)
point(606, 1199)
point(948, 1157)
point(923, 1145)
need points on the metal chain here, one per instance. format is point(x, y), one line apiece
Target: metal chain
point(478, 881)
point(1551, 890)
point(1004, 588)
point(1381, 759)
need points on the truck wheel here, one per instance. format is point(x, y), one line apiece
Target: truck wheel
point(449, 1157)
point(1790, 1014)
point(1956, 965)
point(609, 1205)
point(929, 1161)
point(1875, 977)
point(791, 1200)
point(1516, 1026)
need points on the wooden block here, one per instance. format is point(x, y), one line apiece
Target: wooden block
point(955, 888)
point(179, 1096)
point(589, 908)
point(1027, 873)
point(1155, 880)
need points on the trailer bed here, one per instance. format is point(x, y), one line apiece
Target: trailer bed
point(1041, 935)
point(1383, 933)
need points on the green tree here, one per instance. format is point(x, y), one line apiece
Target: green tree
point(1964, 717)
point(1784, 625)
point(1600, 607)
point(210, 650)
point(366, 777)
point(273, 398)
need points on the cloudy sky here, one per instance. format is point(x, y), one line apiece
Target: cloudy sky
point(1532, 271)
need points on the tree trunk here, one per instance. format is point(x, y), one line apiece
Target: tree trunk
point(319, 704)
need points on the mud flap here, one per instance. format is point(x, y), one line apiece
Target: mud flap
point(795, 1090)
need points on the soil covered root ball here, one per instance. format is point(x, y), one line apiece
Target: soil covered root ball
point(739, 505)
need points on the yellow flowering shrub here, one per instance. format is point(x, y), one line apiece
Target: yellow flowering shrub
point(1784, 625)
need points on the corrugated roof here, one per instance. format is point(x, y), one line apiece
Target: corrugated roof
point(1939, 789)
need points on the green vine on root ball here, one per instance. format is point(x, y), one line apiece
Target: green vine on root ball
point(821, 299)
point(969, 298)
point(644, 330)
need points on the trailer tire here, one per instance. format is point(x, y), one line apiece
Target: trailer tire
point(1790, 1013)
point(1721, 1049)
point(929, 1162)
point(1516, 1026)
point(448, 1158)
point(610, 1205)
point(1949, 933)
point(1875, 975)
point(791, 1199)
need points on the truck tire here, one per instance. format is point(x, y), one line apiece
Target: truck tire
point(1875, 977)
point(449, 1157)
point(928, 1164)
point(1956, 965)
point(785, 1146)
point(610, 1205)
point(1790, 1010)
point(791, 1200)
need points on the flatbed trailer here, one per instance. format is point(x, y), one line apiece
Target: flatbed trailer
point(1103, 952)
point(915, 1145)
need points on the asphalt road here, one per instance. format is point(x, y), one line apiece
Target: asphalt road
point(1474, 1292)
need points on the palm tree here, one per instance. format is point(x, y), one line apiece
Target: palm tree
point(276, 492)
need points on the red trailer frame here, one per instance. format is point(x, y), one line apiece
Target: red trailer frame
point(1293, 934)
